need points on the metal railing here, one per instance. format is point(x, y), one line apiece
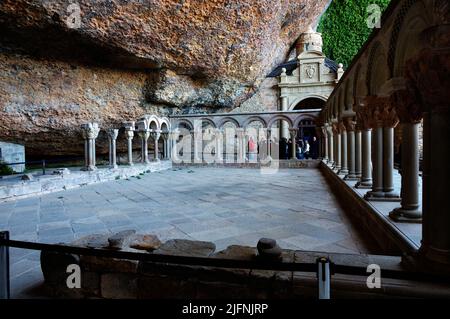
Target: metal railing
point(323, 267)
point(43, 163)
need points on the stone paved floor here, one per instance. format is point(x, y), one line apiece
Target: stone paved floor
point(226, 206)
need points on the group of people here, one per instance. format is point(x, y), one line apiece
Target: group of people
point(306, 148)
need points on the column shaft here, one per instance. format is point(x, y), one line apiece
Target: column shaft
point(409, 210)
point(344, 163)
point(358, 154)
point(366, 156)
point(388, 164)
point(377, 162)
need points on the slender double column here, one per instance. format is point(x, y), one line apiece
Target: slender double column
point(337, 147)
point(241, 145)
point(90, 133)
point(129, 134)
point(293, 133)
point(330, 146)
point(156, 135)
point(325, 144)
point(377, 162)
point(351, 153)
point(218, 134)
point(358, 153)
point(410, 117)
point(112, 138)
point(166, 145)
point(144, 134)
point(344, 157)
point(366, 156)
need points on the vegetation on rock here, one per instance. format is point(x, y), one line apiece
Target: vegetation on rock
point(344, 28)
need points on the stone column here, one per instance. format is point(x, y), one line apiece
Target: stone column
point(358, 153)
point(325, 144)
point(330, 146)
point(388, 164)
point(408, 111)
point(144, 134)
point(90, 133)
point(344, 162)
point(112, 137)
point(269, 144)
point(337, 146)
point(293, 133)
point(241, 145)
point(129, 133)
point(156, 134)
point(350, 127)
point(165, 138)
point(366, 156)
point(219, 145)
point(284, 126)
point(377, 156)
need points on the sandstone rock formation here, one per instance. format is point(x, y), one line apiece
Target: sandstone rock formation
point(67, 62)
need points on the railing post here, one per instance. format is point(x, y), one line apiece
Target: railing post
point(4, 266)
point(323, 277)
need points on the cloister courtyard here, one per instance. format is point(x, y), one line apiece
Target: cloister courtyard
point(224, 205)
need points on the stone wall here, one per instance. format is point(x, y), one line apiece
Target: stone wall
point(119, 278)
point(13, 153)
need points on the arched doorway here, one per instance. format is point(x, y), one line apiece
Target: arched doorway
point(310, 104)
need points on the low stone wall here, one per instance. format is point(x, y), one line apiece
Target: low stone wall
point(283, 164)
point(14, 187)
point(117, 278)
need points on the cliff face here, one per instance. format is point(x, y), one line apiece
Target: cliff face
point(62, 64)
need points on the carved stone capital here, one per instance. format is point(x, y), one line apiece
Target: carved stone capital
point(90, 130)
point(407, 105)
point(113, 133)
point(144, 134)
point(350, 124)
point(428, 75)
point(341, 127)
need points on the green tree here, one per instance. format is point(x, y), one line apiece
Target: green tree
point(344, 28)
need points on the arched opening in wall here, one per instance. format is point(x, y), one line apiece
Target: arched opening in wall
point(208, 142)
point(310, 104)
point(307, 140)
point(184, 143)
point(230, 142)
point(256, 136)
point(163, 141)
point(280, 139)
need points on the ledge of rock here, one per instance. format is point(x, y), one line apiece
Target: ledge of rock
point(118, 60)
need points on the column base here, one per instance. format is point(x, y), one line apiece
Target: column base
point(374, 195)
point(343, 172)
point(366, 184)
point(130, 164)
point(113, 166)
point(155, 160)
point(393, 195)
point(351, 177)
point(89, 168)
point(403, 215)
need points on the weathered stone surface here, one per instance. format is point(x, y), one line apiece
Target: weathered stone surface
point(237, 252)
point(145, 242)
point(27, 177)
point(125, 59)
point(186, 247)
point(92, 241)
point(268, 249)
point(117, 240)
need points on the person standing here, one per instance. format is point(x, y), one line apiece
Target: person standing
point(307, 149)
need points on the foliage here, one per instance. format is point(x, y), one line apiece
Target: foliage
point(5, 169)
point(344, 28)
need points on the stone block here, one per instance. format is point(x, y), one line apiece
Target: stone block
point(119, 286)
point(184, 247)
point(145, 242)
point(117, 240)
point(103, 264)
point(92, 241)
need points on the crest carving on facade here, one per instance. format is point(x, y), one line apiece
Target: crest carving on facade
point(310, 71)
